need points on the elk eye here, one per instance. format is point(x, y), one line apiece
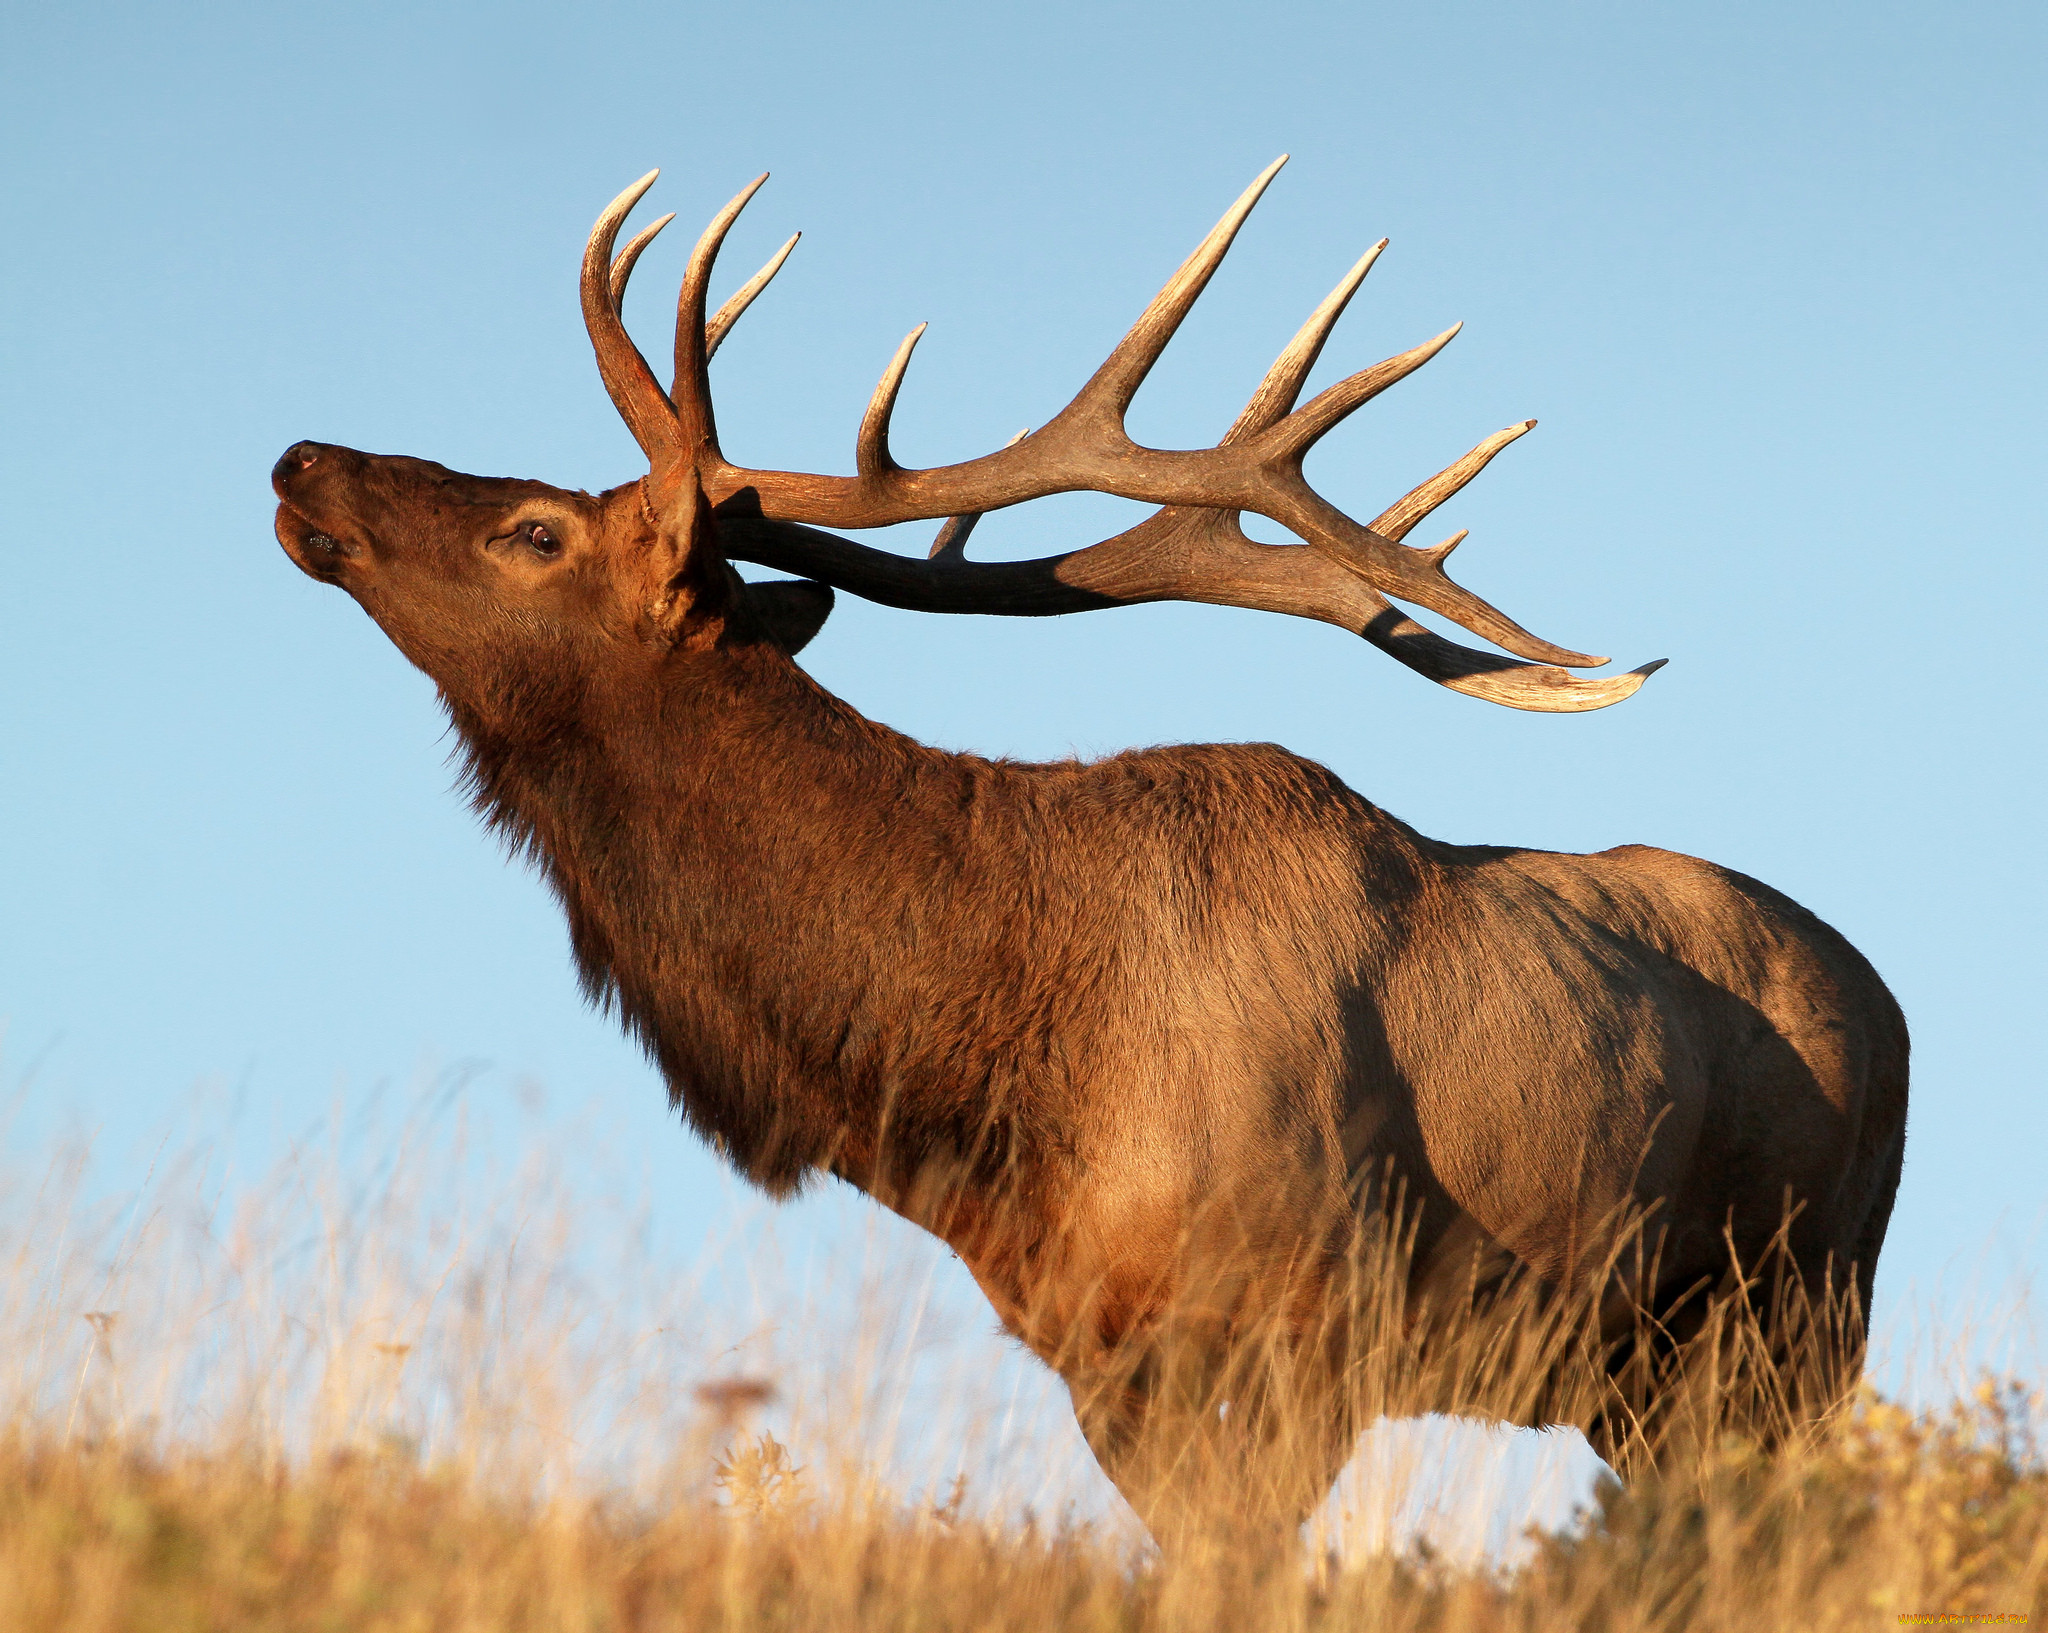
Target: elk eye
point(540, 541)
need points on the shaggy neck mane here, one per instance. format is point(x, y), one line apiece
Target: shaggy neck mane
point(787, 904)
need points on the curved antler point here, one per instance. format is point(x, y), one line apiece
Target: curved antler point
point(727, 315)
point(627, 380)
point(622, 206)
point(629, 257)
point(1260, 181)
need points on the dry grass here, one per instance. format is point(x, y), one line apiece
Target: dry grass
point(343, 1406)
point(1903, 1515)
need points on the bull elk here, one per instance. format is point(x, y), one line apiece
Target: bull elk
point(1151, 1041)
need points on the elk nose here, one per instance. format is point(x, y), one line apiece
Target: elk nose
point(295, 459)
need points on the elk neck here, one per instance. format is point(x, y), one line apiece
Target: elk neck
point(790, 906)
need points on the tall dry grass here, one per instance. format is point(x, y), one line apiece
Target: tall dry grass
point(367, 1400)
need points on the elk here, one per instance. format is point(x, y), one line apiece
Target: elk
point(1148, 1041)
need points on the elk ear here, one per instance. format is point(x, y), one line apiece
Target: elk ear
point(791, 610)
point(687, 570)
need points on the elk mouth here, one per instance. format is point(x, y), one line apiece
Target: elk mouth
point(313, 550)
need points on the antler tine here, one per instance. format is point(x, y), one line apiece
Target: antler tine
point(950, 542)
point(1419, 575)
point(729, 314)
point(1282, 385)
point(1110, 389)
point(871, 447)
point(1329, 408)
point(691, 392)
point(627, 379)
point(629, 257)
point(1399, 518)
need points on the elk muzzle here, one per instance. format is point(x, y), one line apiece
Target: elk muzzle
point(303, 479)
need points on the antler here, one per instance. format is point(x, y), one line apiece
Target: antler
point(1193, 548)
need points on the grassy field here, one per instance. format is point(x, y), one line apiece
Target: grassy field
point(1903, 1521)
point(339, 1406)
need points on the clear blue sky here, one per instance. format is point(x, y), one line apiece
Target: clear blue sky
point(1769, 276)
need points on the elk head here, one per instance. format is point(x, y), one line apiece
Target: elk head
point(504, 589)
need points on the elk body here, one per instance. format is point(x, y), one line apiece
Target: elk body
point(1153, 1041)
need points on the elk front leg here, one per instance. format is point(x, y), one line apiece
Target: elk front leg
point(1143, 1417)
point(1204, 1440)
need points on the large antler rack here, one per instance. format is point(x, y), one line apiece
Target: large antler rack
point(1192, 549)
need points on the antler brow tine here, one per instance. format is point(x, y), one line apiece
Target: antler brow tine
point(627, 378)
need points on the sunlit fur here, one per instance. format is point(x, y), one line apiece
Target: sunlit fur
point(1153, 1042)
